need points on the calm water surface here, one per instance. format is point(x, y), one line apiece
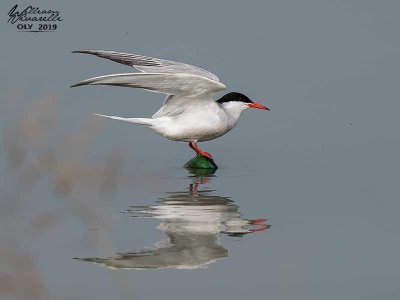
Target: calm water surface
point(166, 232)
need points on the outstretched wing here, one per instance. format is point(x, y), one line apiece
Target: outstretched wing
point(182, 84)
point(148, 64)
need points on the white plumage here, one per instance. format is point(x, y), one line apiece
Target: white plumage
point(189, 112)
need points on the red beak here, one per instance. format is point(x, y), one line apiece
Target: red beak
point(256, 105)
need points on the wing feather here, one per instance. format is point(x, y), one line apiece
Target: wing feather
point(148, 64)
point(182, 84)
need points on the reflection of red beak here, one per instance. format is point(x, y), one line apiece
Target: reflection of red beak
point(256, 105)
point(257, 221)
point(258, 225)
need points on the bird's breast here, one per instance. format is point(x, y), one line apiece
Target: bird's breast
point(197, 125)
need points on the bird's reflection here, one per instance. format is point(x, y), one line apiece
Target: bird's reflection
point(192, 221)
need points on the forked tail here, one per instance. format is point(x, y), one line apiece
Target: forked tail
point(141, 121)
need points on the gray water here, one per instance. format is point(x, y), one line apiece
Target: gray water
point(304, 204)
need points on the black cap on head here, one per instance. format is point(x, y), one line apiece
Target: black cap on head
point(234, 96)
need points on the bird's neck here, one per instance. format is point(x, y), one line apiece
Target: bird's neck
point(233, 111)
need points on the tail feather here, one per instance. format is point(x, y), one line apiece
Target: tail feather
point(141, 121)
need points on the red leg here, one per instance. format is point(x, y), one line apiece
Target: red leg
point(198, 151)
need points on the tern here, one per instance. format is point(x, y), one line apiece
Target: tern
point(189, 112)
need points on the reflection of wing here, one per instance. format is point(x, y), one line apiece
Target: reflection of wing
point(181, 251)
point(149, 64)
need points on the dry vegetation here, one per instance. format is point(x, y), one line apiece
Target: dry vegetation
point(35, 149)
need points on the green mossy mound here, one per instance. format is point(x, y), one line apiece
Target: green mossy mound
point(201, 162)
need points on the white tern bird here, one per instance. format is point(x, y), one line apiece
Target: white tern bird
point(189, 112)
